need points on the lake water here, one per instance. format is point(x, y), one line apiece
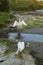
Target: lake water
point(27, 37)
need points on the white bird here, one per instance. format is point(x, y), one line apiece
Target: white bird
point(19, 23)
point(15, 23)
point(24, 23)
point(21, 46)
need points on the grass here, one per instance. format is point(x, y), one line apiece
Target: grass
point(25, 51)
point(4, 16)
point(4, 41)
point(33, 23)
point(7, 53)
point(20, 64)
point(20, 55)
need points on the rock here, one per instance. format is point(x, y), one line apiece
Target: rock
point(2, 49)
point(14, 60)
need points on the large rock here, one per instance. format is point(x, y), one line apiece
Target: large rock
point(14, 60)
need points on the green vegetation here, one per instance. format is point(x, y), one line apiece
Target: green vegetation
point(25, 51)
point(7, 53)
point(4, 40)
point(6, 5)
point(31, 23)
point(9, 44)
point(20, 56)
point(25, 5)
point(4, 16)
point(20, 64)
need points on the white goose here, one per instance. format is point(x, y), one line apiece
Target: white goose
point(19, 23)
point(20, 46)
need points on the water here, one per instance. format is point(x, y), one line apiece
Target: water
point(27, 37)
point(40, 10)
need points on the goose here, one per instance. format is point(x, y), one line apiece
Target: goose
point(20, 46)
point(19, 23)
